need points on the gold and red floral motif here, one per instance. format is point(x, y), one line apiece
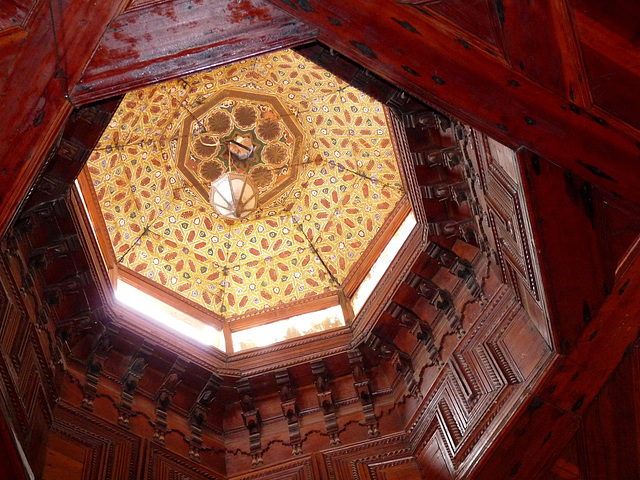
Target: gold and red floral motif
point(346, 185)
point(261, 123)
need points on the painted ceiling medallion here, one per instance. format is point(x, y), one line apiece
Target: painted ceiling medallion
point(237, 130)
point(321, 160)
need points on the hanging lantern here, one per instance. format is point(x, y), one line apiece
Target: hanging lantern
point(234, 196)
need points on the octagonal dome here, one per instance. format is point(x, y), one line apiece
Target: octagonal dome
point(320, 154)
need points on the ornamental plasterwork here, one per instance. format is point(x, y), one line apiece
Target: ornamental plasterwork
point(323, 163)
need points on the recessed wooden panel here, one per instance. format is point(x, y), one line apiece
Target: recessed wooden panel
point(567, 240)
point(481, 17)
point(65, 459)
point(609, 36)
point(431, 460)
point(540, 43)
point(402, 469)
point(165, 465)
point(108, 451)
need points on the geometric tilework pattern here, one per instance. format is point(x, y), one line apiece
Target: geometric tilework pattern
point(325, 168)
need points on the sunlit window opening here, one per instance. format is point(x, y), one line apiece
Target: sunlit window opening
point(158, 311)
point(382, 263)
point(293, 327)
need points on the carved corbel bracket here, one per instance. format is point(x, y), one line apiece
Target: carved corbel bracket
point(251, 419)
point(198, 414)
point(438, 297)
point(459, 267)
point(130, 380)
point(362, 386)
point(400, 360)
point(40, 258)
point(164, 397)
point(54, 294)
point(326, 402)
point(95, 363)
point(290, 410)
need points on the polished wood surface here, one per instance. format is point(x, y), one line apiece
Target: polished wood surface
point(557, 78)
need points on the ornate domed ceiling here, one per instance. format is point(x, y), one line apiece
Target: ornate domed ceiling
point(318, 151)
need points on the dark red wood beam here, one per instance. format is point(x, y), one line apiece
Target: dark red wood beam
point(13, 12)
point(608, 437)
point(440, 64)
point(33, 90)
point(10, 42)
point(167, 40)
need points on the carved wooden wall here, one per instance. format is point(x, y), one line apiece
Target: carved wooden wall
point(570, 103)
point(27, 369)
point(429, 382)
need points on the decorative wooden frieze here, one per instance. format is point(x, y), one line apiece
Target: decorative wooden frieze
point(252, 420)
point(499, 362)
point(362, 386)
point(198, 414)
point(290, 410)
point(326, 402)
point(465, 377)
point(448, 424)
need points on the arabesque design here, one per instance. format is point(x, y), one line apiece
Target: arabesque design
point(325, 168)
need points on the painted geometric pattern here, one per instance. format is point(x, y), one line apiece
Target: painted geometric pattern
point(305, 241)
point(204, 148)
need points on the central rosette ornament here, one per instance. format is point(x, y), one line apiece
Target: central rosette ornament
point(241, 151)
